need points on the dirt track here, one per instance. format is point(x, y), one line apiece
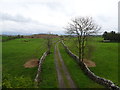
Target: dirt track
point(64, 78)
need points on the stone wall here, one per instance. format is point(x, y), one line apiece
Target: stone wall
point(102, 81)
point(37, 78)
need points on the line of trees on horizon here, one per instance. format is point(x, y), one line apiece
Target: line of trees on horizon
point(112, 36)
point(7, 38)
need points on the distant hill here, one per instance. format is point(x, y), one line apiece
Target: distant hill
point(41, 36)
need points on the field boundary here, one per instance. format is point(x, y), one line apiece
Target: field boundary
point(107, 83)
point(37, 78)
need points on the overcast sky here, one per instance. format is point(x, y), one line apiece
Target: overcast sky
point(43, 16)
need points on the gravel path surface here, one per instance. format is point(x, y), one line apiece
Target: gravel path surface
point(64, 78)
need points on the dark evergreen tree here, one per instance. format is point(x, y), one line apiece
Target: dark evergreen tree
point(112, 36)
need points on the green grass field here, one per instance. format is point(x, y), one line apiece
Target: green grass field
point(105, 55)
point(14, 55)
point(106, 58)
point(6, 38)
point(0, 62)
point(18, 51)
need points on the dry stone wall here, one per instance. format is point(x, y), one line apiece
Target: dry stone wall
point(102, 81)
point(37, 78)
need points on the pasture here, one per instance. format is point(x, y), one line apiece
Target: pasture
point(105, 55)
point(15, 53)
point(6, 38)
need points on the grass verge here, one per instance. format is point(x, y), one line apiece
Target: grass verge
point(81, 80)
point(49, 74)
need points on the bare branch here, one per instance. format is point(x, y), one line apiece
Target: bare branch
point(82, 27)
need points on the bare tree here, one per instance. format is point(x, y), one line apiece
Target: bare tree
point(82, 27)
point(49, 41)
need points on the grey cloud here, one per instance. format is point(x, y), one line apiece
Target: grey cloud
point(27, 26)
point(54, 5)
point(104, 18)
point(59, 7)
point(16, 18)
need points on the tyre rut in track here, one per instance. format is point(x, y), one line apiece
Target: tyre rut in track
point(64, 78)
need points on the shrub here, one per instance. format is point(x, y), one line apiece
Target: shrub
point(17, 82)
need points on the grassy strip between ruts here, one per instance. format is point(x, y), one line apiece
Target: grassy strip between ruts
point(61, 69)
point(81, 80)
